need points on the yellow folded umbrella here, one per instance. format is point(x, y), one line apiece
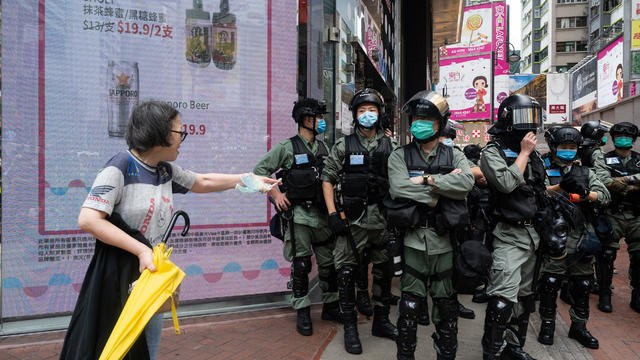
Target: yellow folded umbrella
point(149, 293)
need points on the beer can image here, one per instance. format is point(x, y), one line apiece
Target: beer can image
point(123, 86)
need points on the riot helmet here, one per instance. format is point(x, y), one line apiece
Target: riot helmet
point(428, 104)
point(624, 134)
point(367, 96)
point(450, 130)
point(593, 132)
point(518, 112)
point(472, 152)
point(308, 107)
point(563, 135)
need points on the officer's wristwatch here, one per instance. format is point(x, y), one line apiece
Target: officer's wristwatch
point(425, 179)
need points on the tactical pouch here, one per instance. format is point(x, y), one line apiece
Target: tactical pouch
point(277, 226)
point(471, 266)
point(302, 185)
point(401, 213)
point(455, 213)
point(354, 194)
point(519, 205)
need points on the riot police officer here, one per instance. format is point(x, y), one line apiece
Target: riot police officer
point(357, 165)
point(624, 168)
point(591, 155)
point(578, 184)
point(302, 207)
point(433, 178)
point(514, 173)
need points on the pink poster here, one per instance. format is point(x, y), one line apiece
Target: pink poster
point(467, 86)
point(501, 50)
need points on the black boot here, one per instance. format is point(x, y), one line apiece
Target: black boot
point(346, 294)
point(363, 302)
point(446, 336)
point(549, 285)
point(480, 296)
point(409, 309)
point(578, 331)
point(300, 285)
point(495, 324)
point(382, 275)
point(381, 326)
point(464, 312)
point(606, 259)
point(580, 291)
point(303, 323)
point(634, 274)
point(423, 316)
point(331, 312)
point(635, 300)
point(519, 325)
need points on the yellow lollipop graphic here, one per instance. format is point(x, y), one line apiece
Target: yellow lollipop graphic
point(474, 22)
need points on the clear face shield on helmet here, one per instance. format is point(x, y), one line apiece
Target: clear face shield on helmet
point(527, 118)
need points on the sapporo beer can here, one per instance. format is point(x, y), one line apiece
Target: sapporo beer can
point(123, 86)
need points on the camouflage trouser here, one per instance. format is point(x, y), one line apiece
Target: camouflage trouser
point(625, 225)
point(320, 240)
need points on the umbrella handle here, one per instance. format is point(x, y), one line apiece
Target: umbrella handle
point(172, 223)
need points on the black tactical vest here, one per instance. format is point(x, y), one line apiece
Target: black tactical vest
point(364, 174)
point(586, 156)
point(520, 205)
point(302, 180)
point(449, 213)
point(615, 167)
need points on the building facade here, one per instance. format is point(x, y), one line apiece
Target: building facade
point(606, 22)
point(555, 35)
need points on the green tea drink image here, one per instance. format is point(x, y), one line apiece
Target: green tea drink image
point(198, 33)
point(224, 37)
point(122, 85)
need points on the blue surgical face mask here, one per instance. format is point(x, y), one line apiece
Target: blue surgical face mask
point(448, 142)
point(566, 154)
point(623, 142)
point(422, 129)
point(321, 126)
point(368, 119)
point(604, 140)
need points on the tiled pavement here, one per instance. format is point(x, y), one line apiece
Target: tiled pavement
point(270, 334)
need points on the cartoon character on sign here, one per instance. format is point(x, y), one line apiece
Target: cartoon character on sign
point(619, 80)
point(480, 84)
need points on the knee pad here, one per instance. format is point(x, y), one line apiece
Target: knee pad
point(550, 283)
point(499, 310)
point(581, 285)
point(410, 306)
point(346, 276)
point(302, 265)
point(609, 254)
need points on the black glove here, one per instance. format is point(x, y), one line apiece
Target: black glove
point(337, 225)
point(572, 184)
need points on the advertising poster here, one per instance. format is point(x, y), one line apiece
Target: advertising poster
point(73, 71)
point(635, 9)
point(610, 66)
point(635, 35)
point(501, 50)
point(558, 98)
point(467, 86)
point(585, 90)
point(477, 30)
point(532, 85)
point(474, 132)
